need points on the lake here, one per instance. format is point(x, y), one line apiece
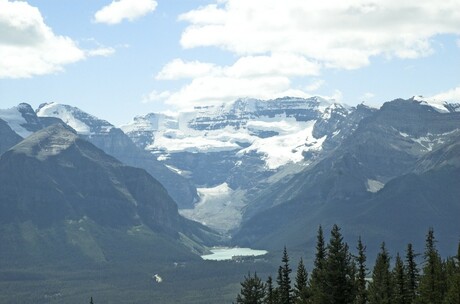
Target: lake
point(226, 253)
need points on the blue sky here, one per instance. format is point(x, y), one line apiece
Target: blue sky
point(130, 57)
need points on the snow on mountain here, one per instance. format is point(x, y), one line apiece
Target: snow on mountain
point(294, 140)
point(82, 122)
point(16, 120)
point(279, 130)
point(437, 104)
point(219, 207)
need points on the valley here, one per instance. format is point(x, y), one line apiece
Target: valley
point(85, 202)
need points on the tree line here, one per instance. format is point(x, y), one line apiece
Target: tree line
point(338, 277)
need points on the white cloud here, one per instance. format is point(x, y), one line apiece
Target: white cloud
point(275, 64)
point(367, 96)
point(279, 43)
point(452, 95)
point(117, 11)
point(315, 85)
point(337, 33)
point(178, 69)
point(250, 76)
point(28, 46)
point(219, 89)
point(102, 51)
point(155, 96)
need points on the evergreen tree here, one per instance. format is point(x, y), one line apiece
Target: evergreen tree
point(431, 281)
point(91, 301)
point(284, 289)
point(380, 289)
point(252, 290)
point(361, 290)
point(453, 280)
point(412, 275)
point(270, 296)
point(399, 282)
point(339, 270)
point(317, 281)
point(301, 290)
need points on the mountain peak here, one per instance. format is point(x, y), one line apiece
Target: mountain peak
point(47, 142)
point(80, 121)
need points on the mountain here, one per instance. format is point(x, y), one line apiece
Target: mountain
point(393, 177)
point(114, 142)
point(8, 137)
point(63, 199)
point(233, 150)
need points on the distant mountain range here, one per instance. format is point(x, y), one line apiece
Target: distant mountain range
point(269, 172)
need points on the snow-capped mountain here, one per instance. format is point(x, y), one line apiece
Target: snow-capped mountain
point(80, 121)
point(24, 121)
point(233, 150)
point(280, 130)
point(395, 175)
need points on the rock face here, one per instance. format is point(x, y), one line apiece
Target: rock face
point(393, 177)
point(244, 146)
point(8, 137)
point(54, 180)
point(114, 142)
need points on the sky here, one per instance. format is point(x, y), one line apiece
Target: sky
point(119, 59)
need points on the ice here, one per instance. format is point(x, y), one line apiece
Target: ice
point(15, 120)
point(220, 207)
point(59, 111)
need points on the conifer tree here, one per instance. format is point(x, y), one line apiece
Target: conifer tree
point(453, 280)
point(91, 301)
point(412, 275)
point(301, 289)
point(317, 281)
point(284, 290)
point(361, 290)
point(339, 270)
point(399, 282)
point(270, 296)
point(380, 289)
point(252, 290)
point(431, 281)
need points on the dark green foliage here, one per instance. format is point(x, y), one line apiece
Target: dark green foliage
point(301, 289)
point(412, 275)
point(338, 278)
point(453, 280)
point(252, 290)
point(339, 270)
point(284, 280)
point(380, 289)
point(317, 282)
point(432, 282)
point(399, 282)
point(361, 290)
point(270, 296)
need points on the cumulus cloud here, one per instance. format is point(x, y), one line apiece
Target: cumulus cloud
point(452, 95)
point(340, 34)
point(278, 44)
point(29, 47)
point(117, 11)
point(219, 89)
point(178, 69)
point(155, 96)
point(315, 85)
point(250, 76)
